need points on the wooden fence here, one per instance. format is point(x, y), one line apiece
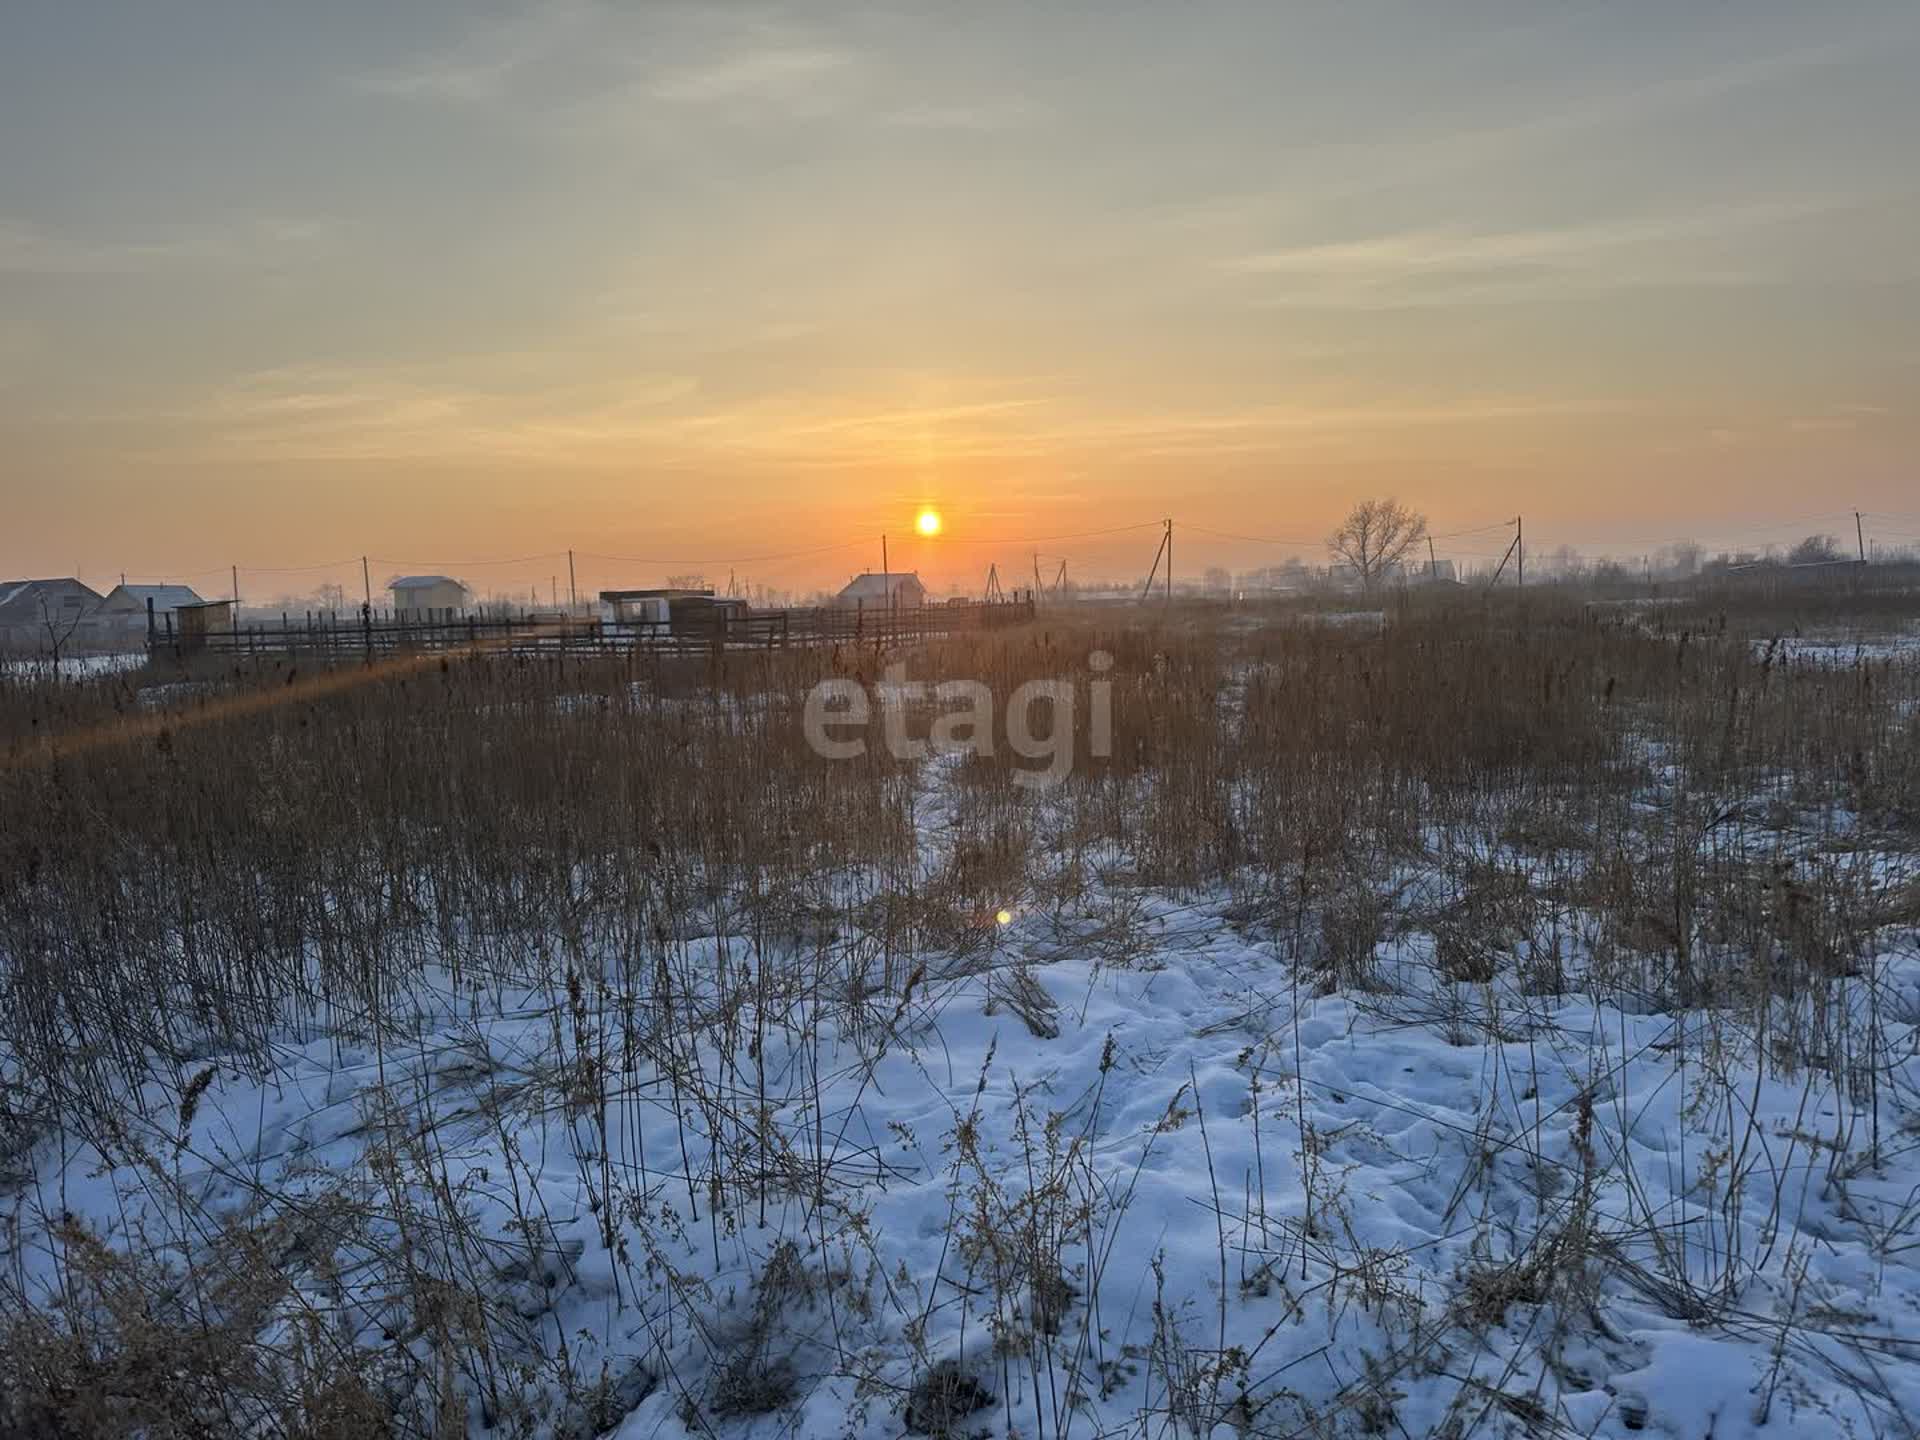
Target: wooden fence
point(331, 635)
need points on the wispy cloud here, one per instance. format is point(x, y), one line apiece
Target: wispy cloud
point(606, 62)
point(1847, 415)
point(241, 242)
point(982, 116)
point(484, 62)
point(781, 74)
point(1455, 265)
point(323, 413)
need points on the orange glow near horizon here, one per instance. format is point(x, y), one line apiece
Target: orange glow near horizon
point(595, 296)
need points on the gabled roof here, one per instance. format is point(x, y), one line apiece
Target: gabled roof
point(421, 582)
point(164, 597)
point(875, 584)
point(22, 595)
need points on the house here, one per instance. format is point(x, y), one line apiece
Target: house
point(40, 617)
point(897, 590)
point(428, 597)
point(121, 621)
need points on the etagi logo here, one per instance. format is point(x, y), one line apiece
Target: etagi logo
point(963, 722)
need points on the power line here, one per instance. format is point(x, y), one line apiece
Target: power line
point(1719, 534)
point(1050, 539)
point(1475, 530)
point(466, 564)
point(727, 559)
point(299, 569)
point(1255, 539)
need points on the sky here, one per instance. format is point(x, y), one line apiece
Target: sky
point(737, 288)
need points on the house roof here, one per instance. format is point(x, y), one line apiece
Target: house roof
point(421, 582)
point(23, 595)
point(878, 583)
point(164, 597)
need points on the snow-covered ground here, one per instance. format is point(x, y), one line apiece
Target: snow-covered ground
point(78, 666)
point(1256, 1206)
point(1841, 650)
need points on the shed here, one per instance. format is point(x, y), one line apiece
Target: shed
point(428, 597)
point(644, 607)
point(703, 614)
point(193, 623)
point(898, 589)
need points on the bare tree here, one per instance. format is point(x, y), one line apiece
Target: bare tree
point(1376, 537)
point(56, 635)
point(1815, 550)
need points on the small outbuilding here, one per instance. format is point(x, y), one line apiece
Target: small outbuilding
point(429, 597)
point(193, 623)
point(646, 607)
point(897, 590)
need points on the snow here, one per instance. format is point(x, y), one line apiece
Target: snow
point(1841, 651)
point(77, 666)
point(1293, 1195)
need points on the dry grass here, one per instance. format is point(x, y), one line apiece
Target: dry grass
point(206, 870)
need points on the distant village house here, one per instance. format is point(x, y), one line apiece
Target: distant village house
point(428, 597)
point(45, 617)
point(121, 621)
point(875, 590)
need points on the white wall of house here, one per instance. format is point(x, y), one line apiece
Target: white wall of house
point(416, 602)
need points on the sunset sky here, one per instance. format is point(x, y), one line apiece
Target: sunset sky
point(282, 285)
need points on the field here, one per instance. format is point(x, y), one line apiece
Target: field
point(1493, 1016)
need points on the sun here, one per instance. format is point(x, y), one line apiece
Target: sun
point(928, 522)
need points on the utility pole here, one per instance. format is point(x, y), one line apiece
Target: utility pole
point(1153, 573)
point(1169, 563)
point(1433, 563)
point(1860, 534)
point(236, 592)
point(573, 585)
point(886, 583)
point(1036, 575)
point(1520, 550)
point(367, 581)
